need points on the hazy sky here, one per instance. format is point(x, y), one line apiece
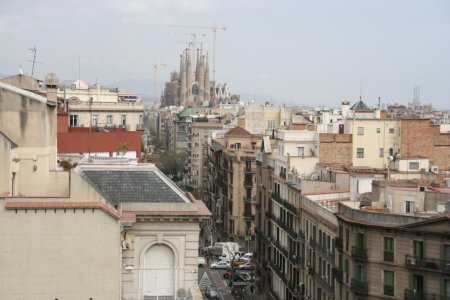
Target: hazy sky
point(293, 52)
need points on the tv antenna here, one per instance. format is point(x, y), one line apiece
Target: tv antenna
point(34, 51)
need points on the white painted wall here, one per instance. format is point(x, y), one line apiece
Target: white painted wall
point(63, 255)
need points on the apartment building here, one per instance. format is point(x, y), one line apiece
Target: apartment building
point(394, 244)
point(295, 220)
point(238, 172)
point(197, 153)
point(97, 106)
point(263, 225)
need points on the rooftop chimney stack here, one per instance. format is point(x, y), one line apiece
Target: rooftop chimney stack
point(51, 86)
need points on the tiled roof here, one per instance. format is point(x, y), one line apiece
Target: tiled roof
point(117, 184)
point(238, 131)
point(360, 105)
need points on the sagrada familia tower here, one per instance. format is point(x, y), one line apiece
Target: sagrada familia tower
point(188, 88)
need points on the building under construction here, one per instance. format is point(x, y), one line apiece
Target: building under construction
point(188, 88)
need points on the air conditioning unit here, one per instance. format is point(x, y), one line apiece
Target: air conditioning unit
point(435, 169)
point(411, 261)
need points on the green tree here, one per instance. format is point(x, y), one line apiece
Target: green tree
point(172, 164)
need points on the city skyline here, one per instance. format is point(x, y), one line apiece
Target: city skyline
point(297, 53)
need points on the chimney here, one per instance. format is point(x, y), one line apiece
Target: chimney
point(51, 86)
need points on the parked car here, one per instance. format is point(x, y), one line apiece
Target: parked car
point(246, 266)
point(239, 254)
point(211, 292)
point(201, 261)
point(244, 277)
point(238, 262)
point(247, 256)
point(220, 265)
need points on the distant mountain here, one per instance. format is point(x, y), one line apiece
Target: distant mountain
point(142, 86)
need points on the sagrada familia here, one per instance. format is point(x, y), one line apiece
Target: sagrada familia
point(188, 88)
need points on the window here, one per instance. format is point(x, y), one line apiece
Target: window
point(409, 206)
point(360, 240)
point(361, 273)
point(360, 152)
point(73, 121)
point(391, 130)
point(414, 165)
point(391, 151)
point(109, 119)
point(231, 229)
point(388, 283)
point(388, 249)
point(347, 269)
point(123, 120)
point(360, 130)
point(419, 249)
point(271, 124)
point(378, 130)
point(301, 151)
point(237, 146)
point(94, 120)
point(381, 153)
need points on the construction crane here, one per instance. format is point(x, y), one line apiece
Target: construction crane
point(214, 28)
point(194, 38)
point(155, 66)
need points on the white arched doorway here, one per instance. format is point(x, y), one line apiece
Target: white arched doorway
point(159, 274)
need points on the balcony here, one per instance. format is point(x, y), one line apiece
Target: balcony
point(325, 283)
point(281, 248)
point(312, 243)
point(248, 183)
point(359, 287)
point(290, 207)
point(388, 256)
point(250, 170)
point(279, 272)
point(417, 262)
point(326, 253)
point(273, 294)
point(388, 290)
point(338, 274)
point(247, 213)
point(249, 200)
point(295, 260)
point(359, 253)
point(414, 295)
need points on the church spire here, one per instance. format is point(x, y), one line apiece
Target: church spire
point(207, 82)
point(182, 78)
